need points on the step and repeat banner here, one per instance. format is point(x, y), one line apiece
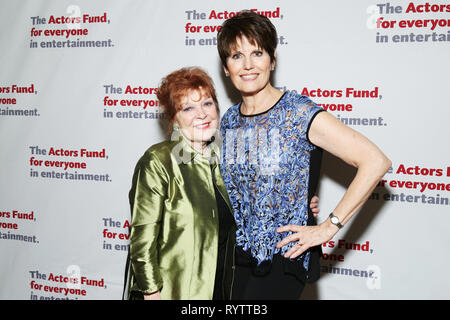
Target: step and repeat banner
point(78, 108)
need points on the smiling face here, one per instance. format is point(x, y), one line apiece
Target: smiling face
point(198, 118)
point(249, 67)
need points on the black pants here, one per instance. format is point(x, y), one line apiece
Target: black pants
point(274, 285)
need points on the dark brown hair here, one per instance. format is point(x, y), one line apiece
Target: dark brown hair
point(255, 27)
point(177, 84)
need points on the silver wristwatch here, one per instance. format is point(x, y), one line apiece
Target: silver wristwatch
point(335, 220)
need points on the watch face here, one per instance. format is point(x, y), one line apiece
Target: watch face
point(335, 220)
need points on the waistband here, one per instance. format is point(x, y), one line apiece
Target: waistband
point(295, 267)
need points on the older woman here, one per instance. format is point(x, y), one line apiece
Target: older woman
point(181, 216)
point(271, 161)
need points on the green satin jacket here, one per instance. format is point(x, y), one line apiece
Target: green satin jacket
point(175, 224)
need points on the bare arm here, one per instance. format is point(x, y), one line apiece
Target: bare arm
point(330, 134)
point(352, 147)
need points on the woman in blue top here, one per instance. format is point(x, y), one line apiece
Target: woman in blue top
point(271, 161)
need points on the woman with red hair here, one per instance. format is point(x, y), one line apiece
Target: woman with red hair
point(178, 200)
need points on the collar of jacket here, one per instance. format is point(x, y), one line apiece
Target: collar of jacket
point(188, 154)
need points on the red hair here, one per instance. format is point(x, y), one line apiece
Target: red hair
point(176, 85)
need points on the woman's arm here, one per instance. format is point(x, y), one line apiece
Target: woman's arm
point(147, 204)
point(352, 147)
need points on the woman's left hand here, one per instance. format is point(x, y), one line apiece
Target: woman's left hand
point(306, 237)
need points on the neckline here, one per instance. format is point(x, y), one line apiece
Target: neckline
point(213, 151)
point(258, 114)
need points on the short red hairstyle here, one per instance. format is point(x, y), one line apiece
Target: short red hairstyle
point(177, 84)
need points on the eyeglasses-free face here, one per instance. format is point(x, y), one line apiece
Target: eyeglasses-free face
point(249, 67)
point(198, 118)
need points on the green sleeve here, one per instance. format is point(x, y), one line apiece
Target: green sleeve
point(147, 195)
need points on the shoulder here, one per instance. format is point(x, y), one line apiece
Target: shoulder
point(301, 107)
point(230, 115)
point(159, 154)
point(294, 100)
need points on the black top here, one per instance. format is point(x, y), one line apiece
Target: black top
point(226, 220)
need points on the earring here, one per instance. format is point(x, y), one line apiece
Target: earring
point(273, 68)
point(227, 74)
point(175, 127)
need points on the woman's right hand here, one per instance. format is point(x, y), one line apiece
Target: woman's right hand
point(153, 296)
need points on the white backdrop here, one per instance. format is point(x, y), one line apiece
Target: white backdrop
point(73, 123)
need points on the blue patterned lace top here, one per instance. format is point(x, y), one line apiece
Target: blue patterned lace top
point(265, 167)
